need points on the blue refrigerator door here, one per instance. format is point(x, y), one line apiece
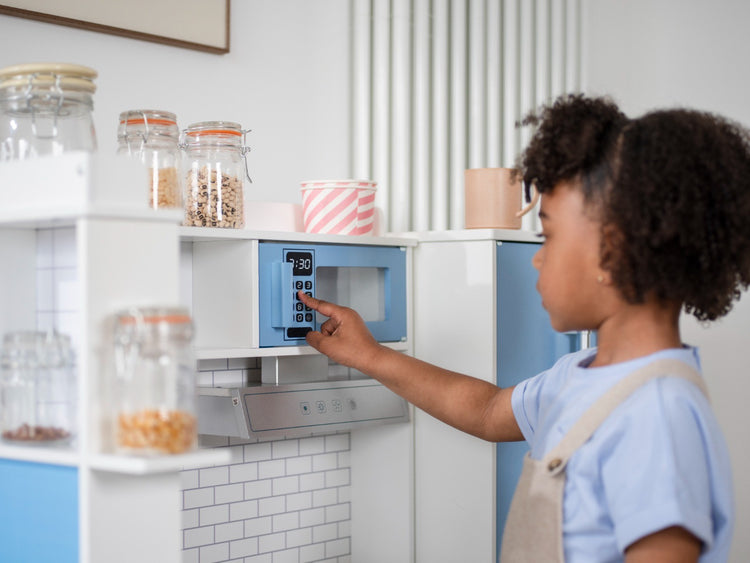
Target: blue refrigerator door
point(526, 346)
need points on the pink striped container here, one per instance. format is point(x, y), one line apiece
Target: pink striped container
point(342, 207)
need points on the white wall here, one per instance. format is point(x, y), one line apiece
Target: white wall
point(286, 77)
point(694, 53)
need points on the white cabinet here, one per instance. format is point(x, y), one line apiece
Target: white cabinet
point(82, 503)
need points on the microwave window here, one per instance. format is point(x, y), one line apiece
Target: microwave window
point(362, 289)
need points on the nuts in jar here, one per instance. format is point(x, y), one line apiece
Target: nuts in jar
point(164, 188)
point(162, 431)
point(216, 170)
point(214, 199)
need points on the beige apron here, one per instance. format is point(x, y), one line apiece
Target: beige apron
point(533, 531)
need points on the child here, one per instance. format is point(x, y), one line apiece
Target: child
point(641, 219)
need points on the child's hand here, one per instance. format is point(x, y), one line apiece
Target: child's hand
point(344, 337)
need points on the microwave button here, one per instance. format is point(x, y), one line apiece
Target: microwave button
point(299, 306)
point(299, 317)
point(308, 285)
point(298, 284)
point(308, 317)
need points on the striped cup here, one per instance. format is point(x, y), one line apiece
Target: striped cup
point(343, 207)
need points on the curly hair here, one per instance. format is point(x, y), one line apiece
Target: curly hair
point(672, 189)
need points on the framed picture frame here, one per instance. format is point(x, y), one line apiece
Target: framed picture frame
point(192, 24)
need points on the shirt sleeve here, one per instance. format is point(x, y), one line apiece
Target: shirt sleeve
point(655, 463)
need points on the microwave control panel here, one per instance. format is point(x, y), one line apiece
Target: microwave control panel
point(302, 317)
point(371, 279)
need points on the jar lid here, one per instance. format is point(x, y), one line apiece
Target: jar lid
point(214, 128)
point(148, 117)
point(145, 122)
point(154, 315)
point(45, 75)
point(36, 349)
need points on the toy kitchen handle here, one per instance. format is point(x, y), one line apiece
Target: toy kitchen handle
point(282, 293)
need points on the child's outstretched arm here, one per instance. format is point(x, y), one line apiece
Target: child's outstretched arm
point(469, 404)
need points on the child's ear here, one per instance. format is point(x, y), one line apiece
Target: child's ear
point(611, 242)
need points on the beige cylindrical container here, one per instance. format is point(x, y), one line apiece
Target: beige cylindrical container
point(152, 137)
point(492, 199)
point(46, 110)
point(155, 381)
point(216, 169)
point(37, 388)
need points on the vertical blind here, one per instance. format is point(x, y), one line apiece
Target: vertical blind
point(439, 85)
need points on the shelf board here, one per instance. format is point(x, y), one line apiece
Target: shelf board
point(51, 455)
point(222, 353)
point(216, 234)
point(135, 465)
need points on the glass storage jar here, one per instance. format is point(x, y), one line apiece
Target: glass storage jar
point(152, 137)
point(155, 381)
point(37, 384)
point(45, 109)
point(216, 169)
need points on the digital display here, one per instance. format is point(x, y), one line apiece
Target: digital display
point(302, 263)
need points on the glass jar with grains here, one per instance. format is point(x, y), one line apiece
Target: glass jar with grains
point(46, 109)
point(152, 136)
point(37, 388)
point(155, 381)
point(216, 160)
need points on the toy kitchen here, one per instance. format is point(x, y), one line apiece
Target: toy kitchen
point(116, 294)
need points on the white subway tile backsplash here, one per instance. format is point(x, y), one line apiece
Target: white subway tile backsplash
point(257, 527)
point(243, 472)
point(325, 462)
point(195, 537)
point(258, 489)
point(271, 542)
point(309, 446)
point(258, 452)
point(243, 510)
point(277, 501)
point(217, 514)
point(195, 498)
point(285, 485)
point(325, 532)
point(287, 556)
point(285, 448)
point(229, 493)
point(264, 558)
point(214, 476)
point(337, 477)
point(338, 547)
point(301, 501)
point(286, 521)
point(299, 537)
point(214, 553)
point(271, 505)
point(270, 469)
point(325, 497)
point(243, 547)
point(312, 481)
point(312, 517)
point(309, 553)
point(229, 531)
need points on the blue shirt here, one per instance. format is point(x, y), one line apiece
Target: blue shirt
point(658, 460)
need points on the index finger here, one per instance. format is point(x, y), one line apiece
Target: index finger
point(323, 307)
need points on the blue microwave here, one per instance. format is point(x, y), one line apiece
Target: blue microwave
point(369, 279)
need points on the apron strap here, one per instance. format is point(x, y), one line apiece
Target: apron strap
point(586, 425)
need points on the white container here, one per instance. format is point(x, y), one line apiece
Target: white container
point(343, 207)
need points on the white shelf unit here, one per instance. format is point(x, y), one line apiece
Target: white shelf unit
point(382, 457)
point(124, 508)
